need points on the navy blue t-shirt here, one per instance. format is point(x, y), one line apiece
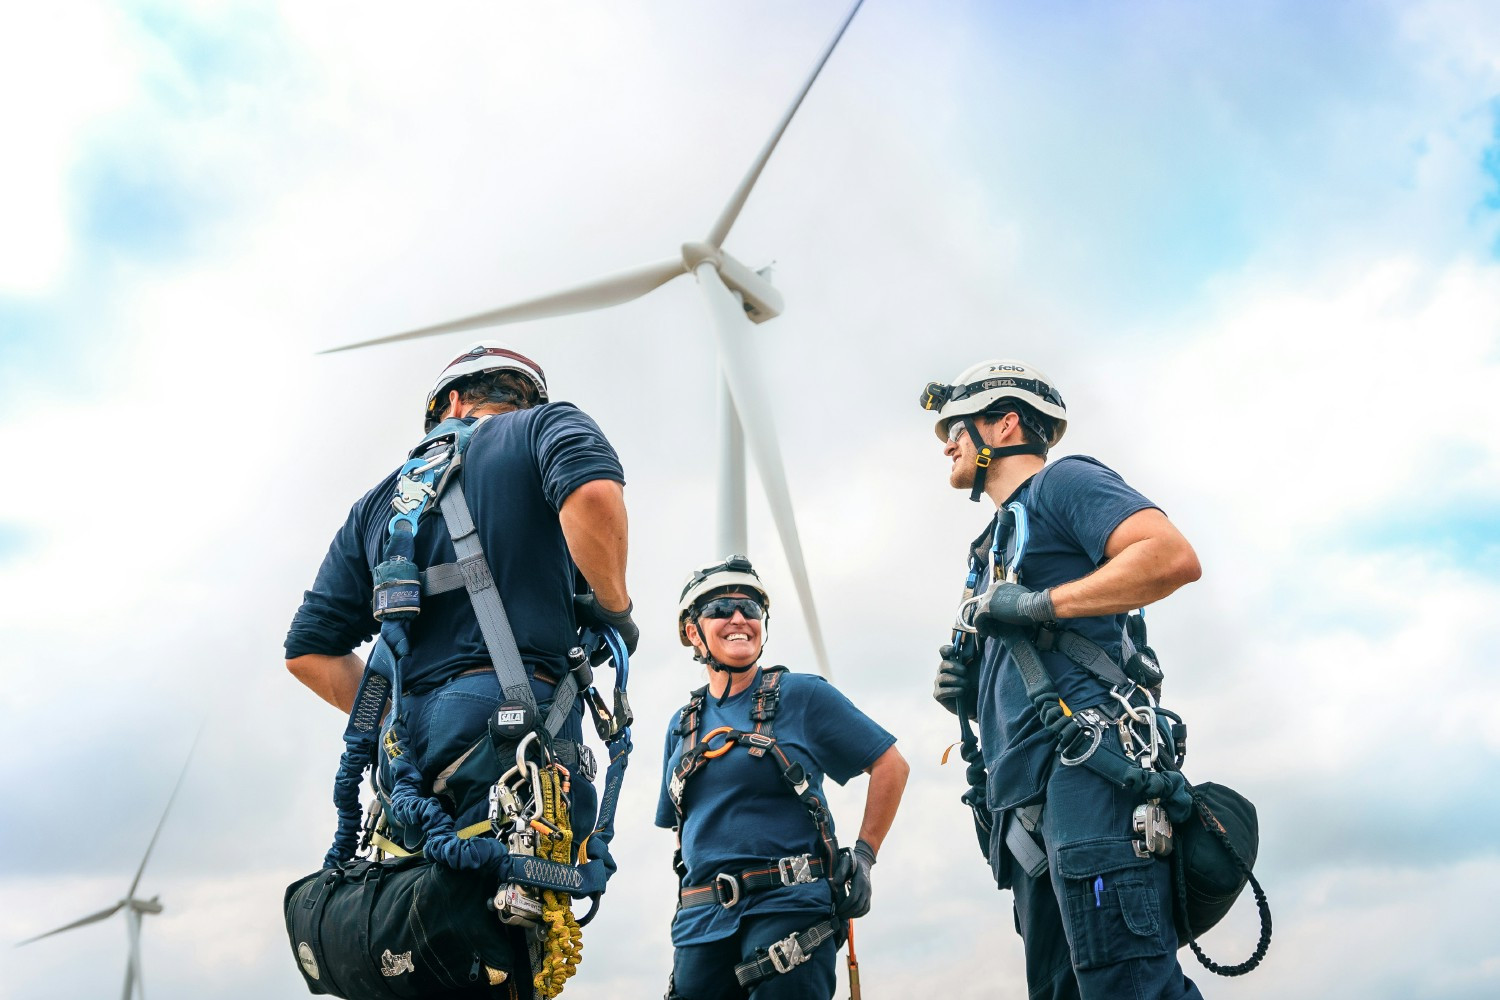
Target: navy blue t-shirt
point(740, 812)
point(1078, 506)
point(518, 469)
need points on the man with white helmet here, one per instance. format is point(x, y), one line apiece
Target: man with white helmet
point(1094, 913)
point(765, 892)
point(545, 492)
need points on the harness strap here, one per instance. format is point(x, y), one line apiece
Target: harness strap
point(1020, 824)
point(494, 623)
point(785, 955)
point(441, 579)
point(799, 869)
point(1085, 652)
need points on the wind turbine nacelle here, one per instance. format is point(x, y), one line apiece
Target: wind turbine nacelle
point(760, 298)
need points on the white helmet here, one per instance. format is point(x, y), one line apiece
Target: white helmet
point(977, 388)
point(485, 356)
point(734, 573)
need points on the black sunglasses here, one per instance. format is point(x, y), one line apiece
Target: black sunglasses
point(725, 607)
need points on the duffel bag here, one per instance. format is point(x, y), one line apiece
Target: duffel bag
point(402, 929)
point(1215, 850)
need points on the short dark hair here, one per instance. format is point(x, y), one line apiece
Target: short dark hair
point(1035, 427)
point(498, 388)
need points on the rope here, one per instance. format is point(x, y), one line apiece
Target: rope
point(564, 947)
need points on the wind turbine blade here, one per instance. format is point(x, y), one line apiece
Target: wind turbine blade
point(599, 294)
point(159, 823)
point(740, 367)
point(725, 222)
point(90, 919)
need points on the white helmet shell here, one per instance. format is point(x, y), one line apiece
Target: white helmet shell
point(734, 572)
point(978, 387)
point(487, 356)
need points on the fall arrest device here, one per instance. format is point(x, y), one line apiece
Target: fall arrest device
point(526, 840)
point(729, 888)
point(1153, 744)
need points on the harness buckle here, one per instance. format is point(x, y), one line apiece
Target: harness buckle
point(724, 878)
point(756, 744)
point(796, 870)
point(786, 954)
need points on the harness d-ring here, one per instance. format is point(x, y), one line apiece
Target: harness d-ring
point(718, 751)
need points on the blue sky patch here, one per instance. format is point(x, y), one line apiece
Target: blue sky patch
point(1466, 538)
point(14, 542)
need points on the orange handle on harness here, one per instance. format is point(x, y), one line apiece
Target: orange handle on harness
point(718, 751)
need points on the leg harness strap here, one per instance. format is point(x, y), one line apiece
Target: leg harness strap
point(785, 955)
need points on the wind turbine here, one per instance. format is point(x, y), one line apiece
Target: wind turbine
point(734, 293)
point(134, 907)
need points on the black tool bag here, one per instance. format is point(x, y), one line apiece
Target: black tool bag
point(1215, 850)
point(402, 929)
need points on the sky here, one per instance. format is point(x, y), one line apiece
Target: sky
point(1257, 247)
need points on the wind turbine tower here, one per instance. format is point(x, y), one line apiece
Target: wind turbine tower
point(134, 906)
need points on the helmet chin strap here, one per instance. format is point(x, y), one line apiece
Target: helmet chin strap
point(984, 455)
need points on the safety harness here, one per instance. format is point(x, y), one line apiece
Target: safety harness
point(527, 839)
point(1153, 740)
point(729, 888)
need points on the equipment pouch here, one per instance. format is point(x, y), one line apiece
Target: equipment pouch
point(401, 929)
point(1214, 878)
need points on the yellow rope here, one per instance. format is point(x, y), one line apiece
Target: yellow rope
point(564, 947)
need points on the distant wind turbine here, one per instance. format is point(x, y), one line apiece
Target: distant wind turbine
point(134, 907)
point(733, 292)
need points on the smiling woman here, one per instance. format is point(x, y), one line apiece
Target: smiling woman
point(764, 887)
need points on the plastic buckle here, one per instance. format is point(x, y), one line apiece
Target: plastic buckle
point(796, 870)
point(983, 458)
point(786, 954)
point(734, 889)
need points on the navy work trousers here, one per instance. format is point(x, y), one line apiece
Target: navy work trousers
point(1098, 922)
point(706, 971)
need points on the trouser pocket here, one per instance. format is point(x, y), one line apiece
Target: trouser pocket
point(1112, 906)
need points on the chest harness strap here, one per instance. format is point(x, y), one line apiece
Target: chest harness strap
point(728, 889)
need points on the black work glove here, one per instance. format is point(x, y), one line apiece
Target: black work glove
point(587, 610)
point(855, 871)
point(955, 680)
point(1013, 604)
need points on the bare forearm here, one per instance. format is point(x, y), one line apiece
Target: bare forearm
point(887, 782)
point(594, 525)
point(1143, 572)
point(335, 679)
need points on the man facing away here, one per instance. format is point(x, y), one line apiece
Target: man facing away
point(546, 494)
point(1095, 917)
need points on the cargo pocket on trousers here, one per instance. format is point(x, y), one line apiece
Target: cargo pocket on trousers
point(1112, 909)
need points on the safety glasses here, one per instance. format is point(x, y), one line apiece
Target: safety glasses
point(725, 607)
point(955, 428)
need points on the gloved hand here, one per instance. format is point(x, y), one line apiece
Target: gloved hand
point(855, 871)
point(1013, 604)
point(587, 610)
point(955, 680)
